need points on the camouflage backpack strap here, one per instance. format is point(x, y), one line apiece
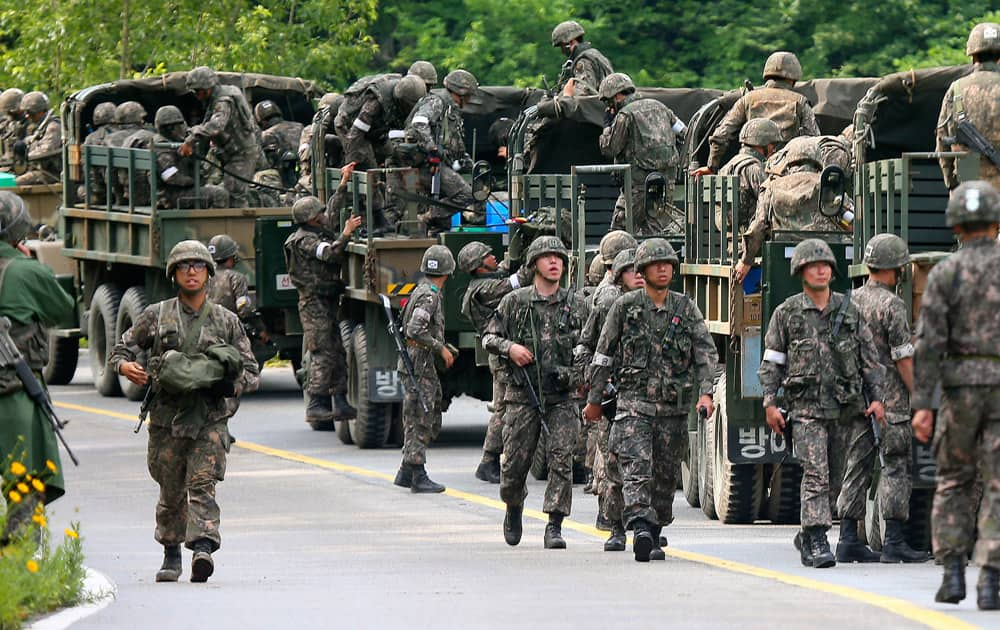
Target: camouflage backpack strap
point(191, 338)
point(675, 318)
point(841, 314)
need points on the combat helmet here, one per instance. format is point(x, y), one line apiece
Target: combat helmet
point(168, 115)
point(624, 260)
point(265, 111)
point(130, 113)
point(809, 251)
point(425, 70)
point(409, 90)
point(472, 255)
point(189, 250)
point(15, 223)
point(783, 65)
point(222, 246)
point(985, 37)
point(615, 83)
point(596, 271)
point(201, 78)
point(437, 261)
point(34, 103)
point(614, 242)
point(306, 209)
point(565, 32)
point(760, 132)
point(461, 82)
point(331, 100)
point(886, 251)
point(654, 250)
point(546, 245)
point(10, 100)
point(104, 114)
point(975, 201)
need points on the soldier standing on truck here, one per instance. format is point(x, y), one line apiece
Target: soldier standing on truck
point(331, 103)
point(585, 67)
point(535, 329)
point(373, 106)
point(776, 101)
point(655, 347)
point(958, 347)
point(230, 127)
point(200, 364)
point(13, 125)
point(819, 349)
point(972, 99)
point(644, 133)
point(490, 283)
point(175, 188)
point(313, 258)
point(425, 71)
point(759, 138)
point(423, 327)
point(42, 146)
point(885, 256)
point(271, 122)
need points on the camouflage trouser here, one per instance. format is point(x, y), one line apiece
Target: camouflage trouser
point(664, 217)
point(35, 177)
point(419, 428)
point(493, 443)
point(608, 474)
point(967, 440)
point(820, 446)
point(321, 338)
point(209, 196)
point(454, 190)
point(187, 471)
point(894, 483)
point(238, 171)
point(522, 424)
point(647, 449)
point(589, 430)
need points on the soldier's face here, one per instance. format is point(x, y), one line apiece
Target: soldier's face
point(549, 267)
point(191, 276)
point(658, 275)
point(202, 95)
point(817, 275)
point(632, 280)
point(490, 262)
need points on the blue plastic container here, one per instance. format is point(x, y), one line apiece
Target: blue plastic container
point(497, 213)
point(7, 180)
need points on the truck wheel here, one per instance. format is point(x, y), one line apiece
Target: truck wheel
point(737, 487)
point(344, 426)
point(706, 472)
point(101, 338)
point(783, 495)
point(133, 303)
point(371, 428)
point(918, 529)
point(689, 471)
point(539, 465)
point(64, 353)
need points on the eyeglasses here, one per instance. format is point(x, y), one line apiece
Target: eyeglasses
point(188, 265)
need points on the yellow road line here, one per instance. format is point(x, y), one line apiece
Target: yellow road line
point(902, 608)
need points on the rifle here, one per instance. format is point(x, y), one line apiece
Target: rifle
point(520, 373)
point(787, 433)
point(877, 435)
point(147, 400)
point(10, 356)
point(397, 336)
point(966, 133)
point(609, 402)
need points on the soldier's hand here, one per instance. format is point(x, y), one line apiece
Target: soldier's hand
point(878, 409)
point(705, 402)
point(21, 247)
point(592, 412)
point(352, 224)
point(448, 358)
point(740, 271)
point(133, 372)
point(923, 424)
point(186, 148)
point(520, 355)
point(704, 170)
point(346, 171)
point(570, 89)
point(774, 419)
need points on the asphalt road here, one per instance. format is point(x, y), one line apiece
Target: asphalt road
point(315, 535)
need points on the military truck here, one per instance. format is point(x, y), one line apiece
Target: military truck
point(118, 250)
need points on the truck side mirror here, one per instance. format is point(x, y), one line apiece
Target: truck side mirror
point(832, 185)
point(482, 180)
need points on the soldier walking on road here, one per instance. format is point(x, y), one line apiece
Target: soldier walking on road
point(200, 364)
point(423, 328)
point(654, 345)
point(536, 328)
point(958, 347)
point(885, 256)
point(819, 349)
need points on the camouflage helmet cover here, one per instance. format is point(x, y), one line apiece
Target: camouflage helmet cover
point(624, 260)
point(615, 83)
point(266, 110)
point(565, 32)
point(331, 100)
point(974, 201)
point(10, 100)
point(809, 251)
point(472, 255)
point(130, 113)
point(597, 270)
point(409, 90)
point(985, 37)
point(614, 242)
point(306, 209)
point(222, 246)
point(654, 250)
point(546, 245)
point(886, 251)
point(34, 102)
point(189, 250)
point(760, 132)
point(15, 223)
point(104, 114)
point(783, 65)
point(461, 82)
point(437, 261)
point(424, 70)
point(168, 115)
point(201, 78)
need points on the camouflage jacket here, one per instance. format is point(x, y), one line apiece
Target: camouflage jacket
point(588, 67)
point(288, 134)
point(313, 259)
point(11, 130)
point(229, 124)
point(548, 326)
point(975, 96)
point(99, 136)
point(656, 356)
point(436, 125)
point(483, 296)
point(45, 145)
point(788, 109)
point(230, 289)
point(748, 167)
point(821, 375)
point(600, 304)
point(958, 332)
point(163, 326)
point(643, 134)
point(885, 313)
point(423, 319)
point(176, 173)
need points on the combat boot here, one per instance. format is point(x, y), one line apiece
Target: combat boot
point(202, 565)
point(802, 544)
point(553, 532)
point(616, 541)
point(952, 588)
point(987, 596)
point(849, 548)
point(658, 543)
point(489, 468)
point(170, 571)
point(822, 557)
point(320, 409)
point(895, 549)
point(642, 541)
point(342, 410)
point(404, 476)
point(602, 522)
point(421, 483)
point(512, 524)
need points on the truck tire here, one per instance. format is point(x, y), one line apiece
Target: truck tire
point(783, 496)
point(344, 426)
point(706, 457)
point(539, 465)
point(737, 488)
point(371, 428)
point(689, 471)
point(64, 353)
point(132, 304)
point(101, 337)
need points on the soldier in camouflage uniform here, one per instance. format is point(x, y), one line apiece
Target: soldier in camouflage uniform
point(655, 347)
point(229, 288)
point(759, 138)
point(175, 188)
point(775, 101)
point(423, 329)
point(329, 104)
point(313, 257)
point(535, 329)
point(13, 125)
point(425, 71)
point(585, 66)
point(271, 123)
point(885, 256)
point(43, 141)
point(820, 350)
point(642, 132)
point(974, 98)
point(230, 128)
point(490, 282)
point(188, 430)
point(958, 348)
point(372, 107)
point(103, 125)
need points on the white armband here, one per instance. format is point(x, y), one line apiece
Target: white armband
point(321, 248)
point(902, 352)
point(168, 173)
point(775, 357)
point(417, 120)
point(514, 282)
point(396, 134)
point(362, 125)
point(601, 360)
point(679, 126)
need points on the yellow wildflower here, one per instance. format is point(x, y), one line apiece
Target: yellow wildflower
point(15, 496)
point(32, 566)
point(40, 519)
point(51, 465)
point(71, 533)
point(23, 488)
point(18, 468)
point(38, 485)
